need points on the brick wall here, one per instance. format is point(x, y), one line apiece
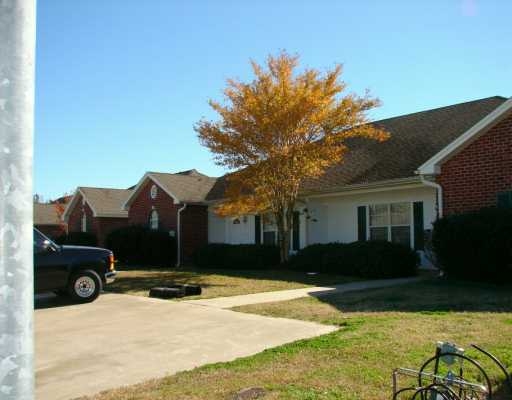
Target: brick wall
point(100, 226)
point(75, 217)
point(141, 207)
point(194, 230)
point(103, 226)
point(472, 178)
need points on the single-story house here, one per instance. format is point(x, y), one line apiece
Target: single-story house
point(437, 162)
point(48, 220)
point(97, 210)
point(173, 203)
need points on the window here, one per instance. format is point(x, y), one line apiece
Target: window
point(153, 192)
point(39, 241)
point(153, 220)
point(391, 222)
point(84, 222)
point(269, 230)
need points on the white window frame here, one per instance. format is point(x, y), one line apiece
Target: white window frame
point(389, 225)
point(152, 220)
point(153, 192)
point(84, 222)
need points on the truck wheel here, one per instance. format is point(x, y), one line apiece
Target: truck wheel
point(84, 286)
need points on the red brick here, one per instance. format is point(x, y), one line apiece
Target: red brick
point(99, 226)
point(472, 178)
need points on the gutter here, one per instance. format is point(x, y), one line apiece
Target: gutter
point(439, 192)
point(178, 236)
point(366, 187)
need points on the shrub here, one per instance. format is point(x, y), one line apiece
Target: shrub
point(379, 259)
point(475, 245)
point(78, 239)
point(371, 259)
point(239, 256)
point(311, 258)
point(141, 245)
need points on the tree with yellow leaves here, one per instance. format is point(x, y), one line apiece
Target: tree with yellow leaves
point(278, 130)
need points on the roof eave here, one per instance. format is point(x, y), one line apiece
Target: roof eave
point(401, 183)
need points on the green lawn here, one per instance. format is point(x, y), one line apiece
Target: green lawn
point(218, 282)
point(380, 329)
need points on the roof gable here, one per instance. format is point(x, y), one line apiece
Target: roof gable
point(104, 202)
point(431, 166)
point(183, 187)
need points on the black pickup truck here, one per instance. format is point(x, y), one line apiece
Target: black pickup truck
point(77, 271)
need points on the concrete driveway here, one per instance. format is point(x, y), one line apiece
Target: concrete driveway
point(122, 340)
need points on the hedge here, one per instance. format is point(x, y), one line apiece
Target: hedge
point(77, 239)
point(239, 256)
point(476, 245)
point(368, 259)
point(142, 246)
point(310, 258)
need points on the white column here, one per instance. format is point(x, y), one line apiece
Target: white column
point(17, 49)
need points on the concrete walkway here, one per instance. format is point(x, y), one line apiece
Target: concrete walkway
point(122, 340)
point(281, 295)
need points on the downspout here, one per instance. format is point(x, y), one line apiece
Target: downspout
point(178, 252)
point(439, 192)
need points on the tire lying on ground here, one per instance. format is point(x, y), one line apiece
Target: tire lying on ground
point(189, 289)
point(192, 290)
point(166, 292)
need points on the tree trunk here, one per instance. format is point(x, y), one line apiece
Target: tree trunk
point(284, 220)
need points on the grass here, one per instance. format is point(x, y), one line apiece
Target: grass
point(380, 330)
point(218, 282)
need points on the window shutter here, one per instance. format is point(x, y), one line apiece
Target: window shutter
point(257, 229)
point(296, 231)
point(418, 226)
point(361, 223)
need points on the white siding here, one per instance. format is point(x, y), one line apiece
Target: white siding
point(223, 230)
point(216, 228)
point(336, 216)
point(242, 233)
point(317, 224)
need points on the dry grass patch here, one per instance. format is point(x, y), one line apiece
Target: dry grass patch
point(219, 282)
point(380, 329)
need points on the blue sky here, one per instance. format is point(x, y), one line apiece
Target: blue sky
point(120, 83)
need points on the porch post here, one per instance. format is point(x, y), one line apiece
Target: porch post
point(17, 50)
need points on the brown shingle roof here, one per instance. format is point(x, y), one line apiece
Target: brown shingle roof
point(46, 214)
point(188, 186)
point(105, 201)
point(415, 138)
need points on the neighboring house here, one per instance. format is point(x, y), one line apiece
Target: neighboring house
point(436, 162)
point(173, 203)
point(96, 210)
point(47, 219)
point(442, 161)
